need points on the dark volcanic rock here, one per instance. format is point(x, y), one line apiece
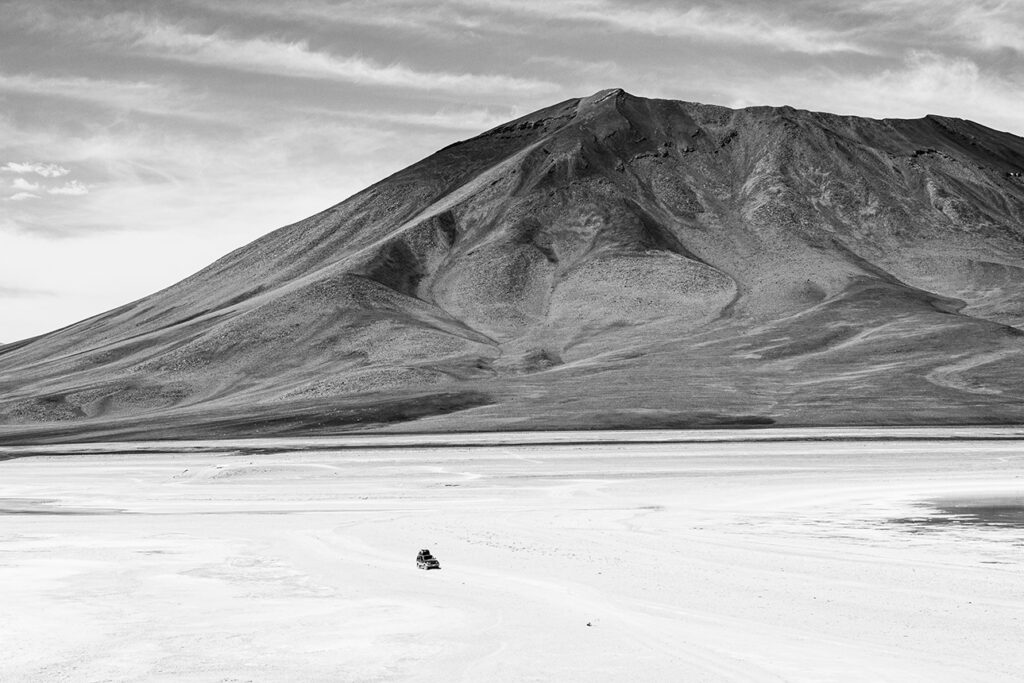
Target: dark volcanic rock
point(609, 261)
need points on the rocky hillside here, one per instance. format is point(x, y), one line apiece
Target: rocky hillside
point(610, 261)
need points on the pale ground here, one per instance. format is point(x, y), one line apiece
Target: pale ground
point(691, 562)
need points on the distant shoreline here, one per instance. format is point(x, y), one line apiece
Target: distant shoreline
point(385, 441)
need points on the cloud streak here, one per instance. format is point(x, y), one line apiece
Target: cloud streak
point(140, 96)
point(921, 84)
point(773, 29)
point(750, 25)
point(982, 25)
point(73, 189)
point(465, 120)
point(45, 170)
point(267, 55)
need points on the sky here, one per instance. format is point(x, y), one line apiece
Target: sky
point(141, 140)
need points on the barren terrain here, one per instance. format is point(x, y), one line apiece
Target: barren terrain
point(608, 262)
point(898, 557)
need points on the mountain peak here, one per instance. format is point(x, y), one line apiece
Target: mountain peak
point(602, 95)
point(609, 261)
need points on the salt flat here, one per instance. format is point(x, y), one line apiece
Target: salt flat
point(796, 561)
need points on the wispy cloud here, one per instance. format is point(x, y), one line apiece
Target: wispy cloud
point(923, 83)
point(163, 99)
point(751, 24)
point(764, 27)
point(466, 120)
point(982, 25)
point(22, 196)
point(75, 188)
point(439, 18)
point(298, 59)
point(931, 83)
point(46, 170)
point(269, 55)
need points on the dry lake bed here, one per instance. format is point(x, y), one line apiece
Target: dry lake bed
point(895, 558)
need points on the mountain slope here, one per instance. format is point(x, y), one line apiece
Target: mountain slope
point(611, 261)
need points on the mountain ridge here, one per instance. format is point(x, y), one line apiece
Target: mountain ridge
point(549, 265)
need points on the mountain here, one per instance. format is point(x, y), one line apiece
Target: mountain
point(606, 262)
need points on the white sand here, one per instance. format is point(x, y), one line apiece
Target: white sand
point(730, 561)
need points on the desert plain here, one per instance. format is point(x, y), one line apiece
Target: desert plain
point(764, 555)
